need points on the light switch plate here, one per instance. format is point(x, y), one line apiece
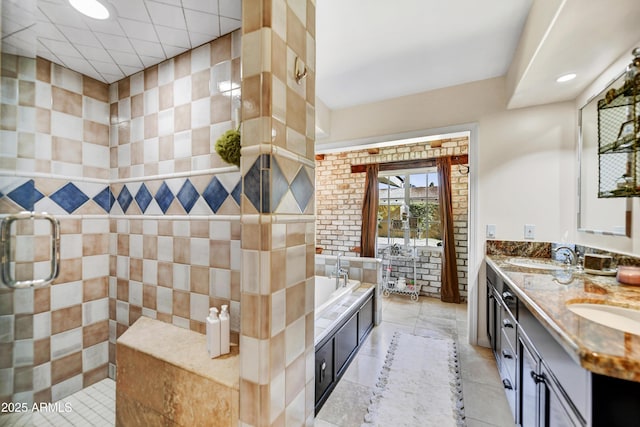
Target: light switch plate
point(529, 231)
point(491, 231)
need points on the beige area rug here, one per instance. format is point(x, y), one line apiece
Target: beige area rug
point(419, 385)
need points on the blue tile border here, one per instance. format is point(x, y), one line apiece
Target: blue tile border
point(264, 185)
point(187, 196)
point(26, 195)
point(69, 197)
point(105, 199)
point(124, 198)
point(72, 197)
point(215, 194)
point(143, 198)
point(302, 189)
point(164, 197)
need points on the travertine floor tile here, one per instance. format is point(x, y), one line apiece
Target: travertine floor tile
point(485, 401)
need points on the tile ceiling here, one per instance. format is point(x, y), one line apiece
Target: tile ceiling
point(139, 33)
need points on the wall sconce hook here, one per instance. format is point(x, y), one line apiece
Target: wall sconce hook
point(298, 73)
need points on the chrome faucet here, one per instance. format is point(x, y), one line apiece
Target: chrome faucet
point(340, 272)
point(572, 256)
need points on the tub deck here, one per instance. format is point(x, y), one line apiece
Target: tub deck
point(336, 312)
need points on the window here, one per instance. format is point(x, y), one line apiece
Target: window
point(408, 209)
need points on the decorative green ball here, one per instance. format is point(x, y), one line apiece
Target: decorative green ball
point(228, 147)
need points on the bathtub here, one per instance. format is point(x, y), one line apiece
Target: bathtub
point(326, 292)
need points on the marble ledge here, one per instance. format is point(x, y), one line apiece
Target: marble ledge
point(334, 314)
point(183, 348)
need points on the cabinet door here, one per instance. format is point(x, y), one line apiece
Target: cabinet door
point(491, 315)
point(365, 319)
point(507, 360)
point(558, 412)
point(529, 387)
point(497, 321)
point(346, 341)
point(324, 369)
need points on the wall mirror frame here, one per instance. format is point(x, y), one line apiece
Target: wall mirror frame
point(607, 216)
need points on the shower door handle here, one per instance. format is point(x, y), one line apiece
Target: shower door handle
point(5, 256)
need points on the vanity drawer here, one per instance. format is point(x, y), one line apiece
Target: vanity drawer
point(508, 357)
point(508, 326)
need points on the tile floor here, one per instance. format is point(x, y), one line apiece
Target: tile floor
point(485, 402)
point(484, 398)
point(93, 406)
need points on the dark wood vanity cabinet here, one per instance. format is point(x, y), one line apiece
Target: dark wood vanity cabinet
point(535, 395)
point(553, 388)
point(338, 348)
point(502, 309)
point(544, 385)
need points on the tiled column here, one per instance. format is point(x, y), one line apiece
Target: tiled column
point(278, 127)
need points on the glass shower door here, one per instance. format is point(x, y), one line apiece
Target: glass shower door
point(18, 352)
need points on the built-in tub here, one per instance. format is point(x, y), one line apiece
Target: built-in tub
point(344, 316)
point(326, 292)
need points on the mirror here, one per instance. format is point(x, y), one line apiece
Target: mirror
point(610, 216)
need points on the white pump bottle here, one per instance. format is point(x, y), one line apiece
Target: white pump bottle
point(224, 330)
point(213, 333)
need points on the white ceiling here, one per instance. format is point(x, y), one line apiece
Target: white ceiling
point(139, 33)
point(372, 52)
point(583, 37)
point(367, 51)
point(379, 50)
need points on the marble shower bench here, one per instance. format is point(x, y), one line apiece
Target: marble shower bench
point(165, 377)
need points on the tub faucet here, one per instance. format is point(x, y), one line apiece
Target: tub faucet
point(340, 272)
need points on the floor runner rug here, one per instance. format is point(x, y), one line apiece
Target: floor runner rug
point(419, 385)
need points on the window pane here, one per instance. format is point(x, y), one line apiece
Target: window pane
point(418, 191)
point(418, 180)
point(383, 211)
point(434, 230)
point(432, 179)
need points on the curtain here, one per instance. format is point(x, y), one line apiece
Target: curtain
point(369, 229)
point(449, 291)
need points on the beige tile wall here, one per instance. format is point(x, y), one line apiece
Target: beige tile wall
point(155, 128)
point(173, 264)
point(277, 332)
point(56, 123)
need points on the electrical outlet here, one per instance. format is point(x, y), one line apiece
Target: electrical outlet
point(529, 231)
point(491, 231)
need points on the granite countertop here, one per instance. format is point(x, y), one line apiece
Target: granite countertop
point(183, 348)
point(595, 347)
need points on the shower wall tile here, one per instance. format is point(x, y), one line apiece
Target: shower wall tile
point(277, 205)
point(67, 103)
point(52, 337)
point(177, 98)
point(92, 139)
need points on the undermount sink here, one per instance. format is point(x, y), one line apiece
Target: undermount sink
point(620, 318)
point(540, 265)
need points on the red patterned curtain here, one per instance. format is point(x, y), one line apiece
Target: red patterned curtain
point(449, 291)
point(370, 213)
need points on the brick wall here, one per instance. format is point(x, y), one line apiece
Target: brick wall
point(339, 195)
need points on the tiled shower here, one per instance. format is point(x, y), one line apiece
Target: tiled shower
point(149, 214)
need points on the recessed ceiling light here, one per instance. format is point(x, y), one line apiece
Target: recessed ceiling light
point(566, 78)
point(92, 8)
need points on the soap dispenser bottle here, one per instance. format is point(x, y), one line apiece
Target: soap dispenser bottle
point(213, 333)
point(224, 330)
